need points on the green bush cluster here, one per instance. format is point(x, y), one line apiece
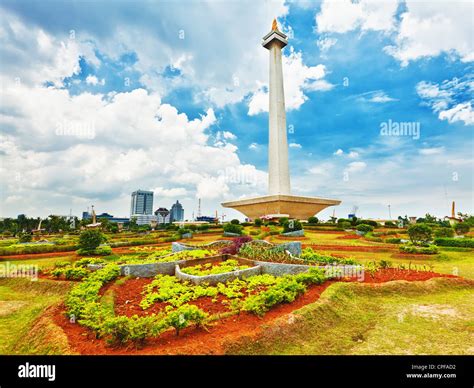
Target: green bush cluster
point(233, 228)
point(426, 250)
point(285, 290)
point(364, 228)
point(393, 240)
point(291, 226)
point(309, 255)
point(444, 232)
point(455, 242)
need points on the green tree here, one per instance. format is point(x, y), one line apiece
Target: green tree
point(258, 222)
point(91, 239)
point(419, 233)
point(235, 221)
point(313, 220)
point(461, 228)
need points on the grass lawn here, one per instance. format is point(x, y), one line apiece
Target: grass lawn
point(22, 331)
point(433, 317)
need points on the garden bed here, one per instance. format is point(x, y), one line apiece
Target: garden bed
point(220, 332)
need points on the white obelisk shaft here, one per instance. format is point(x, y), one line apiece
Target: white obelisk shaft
point(278, 170)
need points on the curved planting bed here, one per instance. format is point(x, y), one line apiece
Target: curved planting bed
point(169, 295)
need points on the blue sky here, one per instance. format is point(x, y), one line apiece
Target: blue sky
point(102, 98)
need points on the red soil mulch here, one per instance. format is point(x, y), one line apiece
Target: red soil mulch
point(349, 237)
point(379, 248)
point(194, 340)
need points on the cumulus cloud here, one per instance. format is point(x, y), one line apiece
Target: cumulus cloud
point(295, 145)
point(298, 79)
point(430, 28)
point(448, 99)
point(69, 150)
point(424, 29)
point(93, 80)
point(345, 15)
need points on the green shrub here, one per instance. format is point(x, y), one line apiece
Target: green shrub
point(91, 239)
point(425, 250)
point(345, 225)
point(258, 222)
point(444, 232)
point(364, 228)
point(286, 290)
point(310, 256)
point(89, 260)
point(235, 221)
point(185, 315)
point(292, 226)
point(419, 233)
point(390, 224)
point(122, 329)
point(103, 250)
point(313, 220)
point(25, 237)
point(75, 273)
point(461, 228)
point(385, 264)
point(455, 242)
point(367, 222)
point(393, 240)
point(232, 228)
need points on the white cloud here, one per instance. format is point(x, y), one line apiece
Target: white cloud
point(295, 145)
point(425, 29)
point(356, 166)
point(31, 56)
point(375, 96)
point(298, 78)
point(461, 112)
point(325, 43)
point(93, 80)
point(339, 152)
point(253, 146)
point(430, 28)
point(353, 154)
point(445, 99)
point(170, 193)
point(431, 151)
point(345, 15)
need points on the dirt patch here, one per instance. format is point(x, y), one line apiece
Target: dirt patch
point(10, 306)
point(434, 311)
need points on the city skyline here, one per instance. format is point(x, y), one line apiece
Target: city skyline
point(378, 113)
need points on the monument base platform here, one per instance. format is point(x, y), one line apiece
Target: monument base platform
point(300, 208)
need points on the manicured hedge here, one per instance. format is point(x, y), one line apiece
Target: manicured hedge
point(455, 242)
point(31, 249)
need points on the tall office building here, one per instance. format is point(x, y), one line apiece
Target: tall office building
point(142, 207)
point(177, 212)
